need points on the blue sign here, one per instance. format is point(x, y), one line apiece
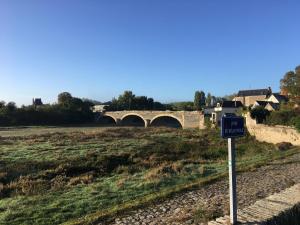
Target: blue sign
point(232, 126)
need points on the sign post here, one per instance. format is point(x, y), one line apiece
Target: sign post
point(232, 181)
point(232, 127)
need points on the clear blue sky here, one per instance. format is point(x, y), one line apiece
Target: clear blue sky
point(164, 49)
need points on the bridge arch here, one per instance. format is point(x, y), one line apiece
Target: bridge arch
point(167, 120)
point(133, 119)
point(107, 120)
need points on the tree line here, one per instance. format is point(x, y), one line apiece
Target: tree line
point(129, 101)
point(73, 110)
point(67, 110)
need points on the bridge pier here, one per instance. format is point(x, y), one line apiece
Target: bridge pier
point(147, 123)
point(118, 122)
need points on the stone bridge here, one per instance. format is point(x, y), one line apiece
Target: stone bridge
point(182, 119)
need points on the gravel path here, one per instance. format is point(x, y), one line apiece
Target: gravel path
point(251, 186)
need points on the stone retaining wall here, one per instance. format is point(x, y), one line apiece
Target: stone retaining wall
point(265, 211)
point(272, 134)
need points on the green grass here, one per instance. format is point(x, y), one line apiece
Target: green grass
point(78, 175)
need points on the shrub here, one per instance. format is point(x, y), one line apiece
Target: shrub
point(207, 122)
point(296, 123)
point(83, 179)
point(283, 146)
point(163, 170)
point(205, 213)
point(259, 114)
point(283, 117)
point(58, 182)
point(29, 186)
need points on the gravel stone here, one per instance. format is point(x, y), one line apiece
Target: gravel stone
point(251, 186)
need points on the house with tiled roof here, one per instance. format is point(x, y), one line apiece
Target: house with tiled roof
point(260, 103)
point(277, 98)
point(249, 97)
point(271, 106)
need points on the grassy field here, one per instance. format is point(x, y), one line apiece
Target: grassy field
point(56, 175)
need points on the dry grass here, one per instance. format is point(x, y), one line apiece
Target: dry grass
point(62, 175)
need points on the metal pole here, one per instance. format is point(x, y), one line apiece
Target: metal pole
point(232, 181)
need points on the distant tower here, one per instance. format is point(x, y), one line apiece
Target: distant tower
point(37, 102)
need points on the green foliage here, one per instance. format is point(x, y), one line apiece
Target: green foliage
point(69, 110)
point(182, 106)
point(290, 85)
point(199, 100)
point(259, 114)
point(296, 122)
point(204, 214)
point(207, 122)
point(208, 100)
point(2, 104)
point(65, 99)
point(282, 117)
point(128, 101)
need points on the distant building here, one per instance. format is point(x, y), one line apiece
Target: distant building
point(37, 101)
point(225, 108)
point(271, 106)
point(99, 108)
point(249, 97)
point(259, 103)
point(271, 103)
point(277, 98)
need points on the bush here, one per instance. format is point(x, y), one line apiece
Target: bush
point(283, 146)
point(259, 114)
point(207, 122)
point(296, 123)
point(284, 117)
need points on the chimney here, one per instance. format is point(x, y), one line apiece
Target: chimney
point(270, 90)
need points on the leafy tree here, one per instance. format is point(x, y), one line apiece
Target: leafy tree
point(213, 101)
point(69, 111)
point(65, 99)
point(2, 104)
point(199, 100)
point(182, 106)
point(94, 102)
point(11, 106)
point(151, 103)
point(202, 99)
point(126, 100)
point(159, 106)
point(208, 99)
point(290, 85)
point(140, 102)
